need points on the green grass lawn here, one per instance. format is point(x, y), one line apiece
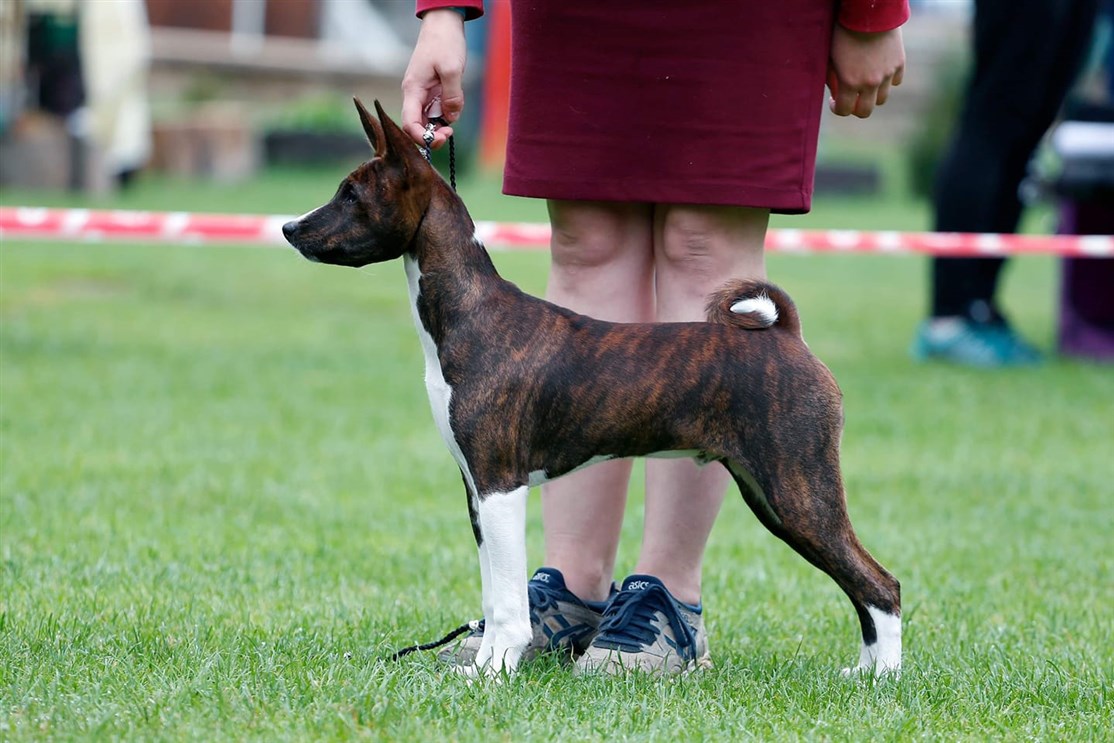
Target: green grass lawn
point(223, 502)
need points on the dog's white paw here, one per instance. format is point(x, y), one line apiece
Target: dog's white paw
point(491, 664)
point(878, 670)
point(495, 657)
point(883, 656)
point(473, 673)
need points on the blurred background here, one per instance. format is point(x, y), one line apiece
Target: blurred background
point(219, 483)
point(96, 93)
point(244, 106)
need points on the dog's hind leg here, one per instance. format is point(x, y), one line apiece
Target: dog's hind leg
point(501, 518)
point(808, 511)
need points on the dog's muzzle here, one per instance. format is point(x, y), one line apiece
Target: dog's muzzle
point(292, 232)
point(290, 229)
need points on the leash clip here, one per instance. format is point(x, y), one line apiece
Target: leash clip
point(435, 119)
point(428, 139)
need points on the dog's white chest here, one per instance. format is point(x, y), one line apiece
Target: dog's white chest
point(439, 391)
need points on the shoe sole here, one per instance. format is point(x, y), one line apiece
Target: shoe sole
point(610, 668)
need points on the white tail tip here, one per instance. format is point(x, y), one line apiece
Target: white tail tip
point(761, 305)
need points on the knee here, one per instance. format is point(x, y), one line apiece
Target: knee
point(589, 236)
point(711, 242)
point(689, 244)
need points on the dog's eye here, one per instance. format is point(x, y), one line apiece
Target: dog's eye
point(348, 194)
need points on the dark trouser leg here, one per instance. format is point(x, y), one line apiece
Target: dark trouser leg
point(1026, 55)
point(962, 286)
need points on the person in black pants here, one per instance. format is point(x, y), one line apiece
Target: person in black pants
point(1027, 53)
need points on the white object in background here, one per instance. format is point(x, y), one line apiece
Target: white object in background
point(1084, 139)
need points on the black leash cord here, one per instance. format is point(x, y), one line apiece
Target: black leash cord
point(452, 162)
point(428, 151)
point(434, 645)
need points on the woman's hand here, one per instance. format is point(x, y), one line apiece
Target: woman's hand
point(862, 68)
point(435, 72)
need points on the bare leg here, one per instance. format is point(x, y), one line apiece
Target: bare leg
point(696, 248)
point(602, 266)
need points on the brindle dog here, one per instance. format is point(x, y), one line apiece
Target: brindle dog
point(524, 391)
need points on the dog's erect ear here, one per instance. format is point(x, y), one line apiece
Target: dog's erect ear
point(399, 145)
point(372, 128)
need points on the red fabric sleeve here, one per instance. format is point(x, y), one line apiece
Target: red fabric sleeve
point(871, 16)
point(473, 8)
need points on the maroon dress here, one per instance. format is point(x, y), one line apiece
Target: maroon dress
point(700, 102)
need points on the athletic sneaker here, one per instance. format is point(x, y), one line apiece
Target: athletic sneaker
point(967, 342)
point(562, 622)
point(645, 629)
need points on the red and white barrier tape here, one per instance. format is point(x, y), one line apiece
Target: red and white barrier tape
point(185, 228)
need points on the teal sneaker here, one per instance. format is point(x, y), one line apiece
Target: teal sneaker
point(966, 342)
point(645, 629)
point(562, 622)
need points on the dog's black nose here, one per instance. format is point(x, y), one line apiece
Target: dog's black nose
point(289, 229)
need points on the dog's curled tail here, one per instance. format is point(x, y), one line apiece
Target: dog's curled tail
point(753, 305)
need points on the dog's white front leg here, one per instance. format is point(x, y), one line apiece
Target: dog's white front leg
point(487, 599)
point(507, 629)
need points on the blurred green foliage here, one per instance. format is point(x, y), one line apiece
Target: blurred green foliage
point(326, 112)
point(931, 139)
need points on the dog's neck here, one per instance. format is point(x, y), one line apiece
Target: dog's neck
point(449, 270)
point(445, 246)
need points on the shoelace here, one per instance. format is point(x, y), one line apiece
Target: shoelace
point(541, 597)
point(629, 619)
